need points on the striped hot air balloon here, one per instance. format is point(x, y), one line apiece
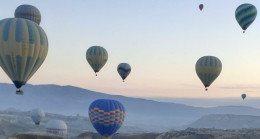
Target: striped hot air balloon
point(208, 69)
point(124, 70)
point(245, 15)
point(97, 57)
point(23, 48)
point(106, 116)
point(28, 12)
point(57, 127)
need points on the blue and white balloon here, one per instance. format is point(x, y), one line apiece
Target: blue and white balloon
point(124, 70)
point(28, 12)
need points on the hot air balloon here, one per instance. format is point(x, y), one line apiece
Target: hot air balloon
point(37, 115)
point(208, 69)
point(57, 127)
point(97, 57)
point(28, 12)
point(124, 70)
point(23, 48)
point(243, 96)
point(245, 15)
point(106, 116)
point(201, 6)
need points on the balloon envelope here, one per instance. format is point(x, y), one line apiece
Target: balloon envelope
point(208, 69)
point(106, 116)
point(243, 96)
point(57, 127)
point(37, 115)
point(245, 15)
point(28, 12)
point(97, 57)
point(201, 6)
point(23, 49)
point(124, 70)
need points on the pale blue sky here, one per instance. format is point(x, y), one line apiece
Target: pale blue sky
point(160, 39)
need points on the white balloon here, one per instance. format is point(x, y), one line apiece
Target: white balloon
point(57, 127)
point(37, 115)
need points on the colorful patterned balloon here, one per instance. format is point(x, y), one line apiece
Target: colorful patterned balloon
point(106, 116)
point(208, 69)
point(245, 15)
point(124, 70)
point(28, 12)
point(23, 48)
point(97, 57)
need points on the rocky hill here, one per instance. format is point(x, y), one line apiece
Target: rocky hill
point(91, 135)
point(227, 121)
point(33, 136)
point(200, 133)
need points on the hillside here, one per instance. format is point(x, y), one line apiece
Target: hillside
point(227, 121)
point(189, 133)
point(33, 136)
point(19, 123)
point(13, 121)
point(91, 135)
point(207, 133)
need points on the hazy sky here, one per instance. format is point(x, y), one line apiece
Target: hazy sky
point(160, 39)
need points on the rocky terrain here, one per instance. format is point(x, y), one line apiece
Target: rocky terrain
point(227, 121)
point(189, 133)
point(209, 133)
point(13, 121)
point(33, 136)
point(91, 135)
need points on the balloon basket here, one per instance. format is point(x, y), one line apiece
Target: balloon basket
point(19, 92)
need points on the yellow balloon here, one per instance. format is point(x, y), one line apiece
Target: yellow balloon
point(23, 49)
point(208, 69)
point(97, 57)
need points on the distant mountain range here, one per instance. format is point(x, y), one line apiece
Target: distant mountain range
point(151, 116)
